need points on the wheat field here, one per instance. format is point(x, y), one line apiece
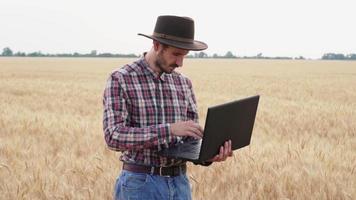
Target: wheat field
point(303, 145)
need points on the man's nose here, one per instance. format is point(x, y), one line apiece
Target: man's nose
point(179, 61)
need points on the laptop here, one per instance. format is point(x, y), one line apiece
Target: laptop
point(230, 121)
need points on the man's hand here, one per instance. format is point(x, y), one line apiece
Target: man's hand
point(187, 128)
point(225, 152)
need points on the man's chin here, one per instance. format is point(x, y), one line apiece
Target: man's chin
point(169, 70)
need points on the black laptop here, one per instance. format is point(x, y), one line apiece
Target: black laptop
point(230, 121)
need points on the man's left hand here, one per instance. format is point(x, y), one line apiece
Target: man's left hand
point(225, 152)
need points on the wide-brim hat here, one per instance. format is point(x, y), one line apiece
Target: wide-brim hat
point(177, 32)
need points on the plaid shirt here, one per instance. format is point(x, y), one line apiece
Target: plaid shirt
point(138, 109)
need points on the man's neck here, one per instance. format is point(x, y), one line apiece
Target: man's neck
point(150, 58)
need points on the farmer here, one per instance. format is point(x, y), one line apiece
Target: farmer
point(148, 106)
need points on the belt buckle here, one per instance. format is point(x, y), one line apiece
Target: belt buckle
point(160, 173)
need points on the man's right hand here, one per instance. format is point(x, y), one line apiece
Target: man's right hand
point(187, 128)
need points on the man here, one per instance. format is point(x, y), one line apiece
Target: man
point(148, 107)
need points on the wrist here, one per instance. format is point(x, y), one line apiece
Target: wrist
point(171, 129)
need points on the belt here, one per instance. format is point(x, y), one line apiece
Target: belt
point(162, 171)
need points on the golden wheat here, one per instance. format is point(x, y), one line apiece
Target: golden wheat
point(303, 145)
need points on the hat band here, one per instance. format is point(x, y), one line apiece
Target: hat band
point(171, 37)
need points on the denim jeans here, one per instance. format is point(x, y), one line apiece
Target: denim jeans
point(130, 185)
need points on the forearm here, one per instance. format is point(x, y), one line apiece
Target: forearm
point(121, 138)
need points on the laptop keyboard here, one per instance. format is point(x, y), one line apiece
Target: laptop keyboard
point(189, 148)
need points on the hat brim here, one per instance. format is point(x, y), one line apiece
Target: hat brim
point(194, 46)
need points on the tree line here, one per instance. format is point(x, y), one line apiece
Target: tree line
point(8, 52)
point(328, 56)
point(338, 56)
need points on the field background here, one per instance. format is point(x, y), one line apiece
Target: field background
point(303, 145)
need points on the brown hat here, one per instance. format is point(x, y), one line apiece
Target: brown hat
point(177, 32)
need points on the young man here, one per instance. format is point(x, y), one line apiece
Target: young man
point(148, 107)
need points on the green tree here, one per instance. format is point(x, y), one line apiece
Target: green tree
point(351, 56)
point(7, 52)
point(333, 56)
point(93, 53)
point(35, 54)
point(200, 55)
point(21, 54)
point(229, 55)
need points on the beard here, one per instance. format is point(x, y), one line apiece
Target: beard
point(161, 63)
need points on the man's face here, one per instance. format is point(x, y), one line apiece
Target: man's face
point(169, 58)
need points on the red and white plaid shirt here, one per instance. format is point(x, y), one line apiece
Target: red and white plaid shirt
point(138, 109)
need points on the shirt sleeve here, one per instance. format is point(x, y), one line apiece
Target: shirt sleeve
point(119, 136)
point(192, 112)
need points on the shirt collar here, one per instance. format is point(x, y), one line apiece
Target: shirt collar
point(148, 69)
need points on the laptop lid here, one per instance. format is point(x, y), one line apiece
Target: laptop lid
point(230, 121)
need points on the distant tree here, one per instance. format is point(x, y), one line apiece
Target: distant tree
point(93, 53)
point(340, 56)
point(259, 55)
point(201, 55)
point(299, 58)
point(229, 54)
point(328, 56)
point(35, 54)
point(131, 55)
point(215, 55)
point(105, 55)
point(333, 56)
point(7, 52)
point(21, 54)
point(351, 56)
point(280, 58)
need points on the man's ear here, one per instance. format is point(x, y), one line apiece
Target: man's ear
point(156, 45)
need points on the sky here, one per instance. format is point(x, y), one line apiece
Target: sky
point(306, 28)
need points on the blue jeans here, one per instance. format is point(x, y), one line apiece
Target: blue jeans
point(130, 185)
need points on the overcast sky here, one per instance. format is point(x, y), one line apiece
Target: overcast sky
point(307, 28)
